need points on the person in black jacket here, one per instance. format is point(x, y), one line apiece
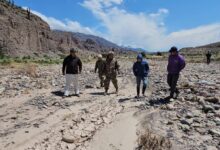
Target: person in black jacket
point(72, 66)
point(208, 57)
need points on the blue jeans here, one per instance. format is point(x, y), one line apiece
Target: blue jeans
point(145, 81)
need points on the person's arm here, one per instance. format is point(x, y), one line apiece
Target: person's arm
point(64, 66)
point(117, 67)
point(147, 67)
point(182, 63)
point(134, 69)
point(168, 65)
point(80, 65)
point(96, 66)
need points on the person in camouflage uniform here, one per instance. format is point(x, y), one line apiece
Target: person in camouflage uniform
point(111, 68)
point(100, 66)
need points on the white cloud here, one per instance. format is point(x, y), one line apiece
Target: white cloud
point(146, 30)
point(143, 30)
point(66, 25)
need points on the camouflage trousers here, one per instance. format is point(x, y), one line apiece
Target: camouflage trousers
point(114, 81)
point(101, 77)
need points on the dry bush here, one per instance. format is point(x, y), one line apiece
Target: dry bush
point(26, 69)
point(150, 141)
point(31, 70)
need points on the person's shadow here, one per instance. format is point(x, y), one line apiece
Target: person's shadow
point(61, 94)
point(97, 93)
point(58, 93)
point(160, 101)
point(122, 100)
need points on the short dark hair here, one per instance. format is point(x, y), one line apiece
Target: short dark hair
point(173, 49)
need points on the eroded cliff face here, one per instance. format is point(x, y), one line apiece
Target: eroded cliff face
point(25, 34)
point(22, 33)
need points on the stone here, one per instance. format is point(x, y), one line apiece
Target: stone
point(202, 131)
point(196, 113)
point(189, 115)
point(186, 121)
point(184, 128)
point(2, 89)
point(208, 108)
point(89, 86)
point(170, 123)
point(217, 121)
point(68, 139)
point(212, 100)
point(211, 148)
point(214, 132)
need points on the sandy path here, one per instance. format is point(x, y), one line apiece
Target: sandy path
point(120, 135)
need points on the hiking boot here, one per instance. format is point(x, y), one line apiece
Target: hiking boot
point(137, 97)
point(177, 94)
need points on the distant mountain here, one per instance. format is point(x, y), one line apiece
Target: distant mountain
point(96, 39)
point(201, 50)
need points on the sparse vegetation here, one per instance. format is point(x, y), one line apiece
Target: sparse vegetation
point(5, 60)
point(150, 141)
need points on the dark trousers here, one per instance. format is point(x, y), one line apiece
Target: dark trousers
point(208, 60)
point(144, 80)
point(172, 80)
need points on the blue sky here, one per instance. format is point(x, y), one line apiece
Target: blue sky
point(150, 24)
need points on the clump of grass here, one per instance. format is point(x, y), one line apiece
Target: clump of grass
point(150, 141)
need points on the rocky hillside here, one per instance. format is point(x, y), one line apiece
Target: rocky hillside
point(201, 50)
point(25, 34)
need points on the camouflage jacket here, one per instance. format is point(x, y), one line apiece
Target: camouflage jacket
point(99, 65)
point(111, 67)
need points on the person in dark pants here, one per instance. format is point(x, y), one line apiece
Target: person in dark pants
point(208, 57)
point(176, 64)
point(141, 70)
point(72, 66)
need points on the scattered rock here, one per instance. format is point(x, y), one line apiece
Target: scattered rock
point(208, 108)
point(89, 86)
point(214, 132)
point(186, 121)
point(189, 115)
point(212, 100)
point(184, 127)
point(2, 89)
point(217, 121)
point(68, 139)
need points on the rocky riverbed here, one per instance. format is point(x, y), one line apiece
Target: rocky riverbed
point(34, 115)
